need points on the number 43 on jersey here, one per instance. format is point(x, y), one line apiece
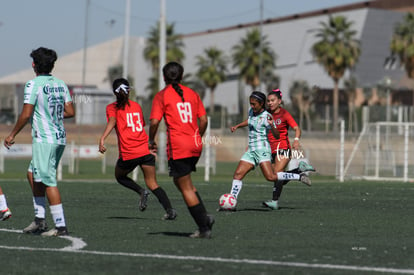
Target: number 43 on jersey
point(134, 121)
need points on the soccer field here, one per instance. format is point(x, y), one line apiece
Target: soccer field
point(329, 228)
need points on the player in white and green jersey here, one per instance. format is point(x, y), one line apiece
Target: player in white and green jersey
point(46, 103)
point(48, 95)
point(259, 153)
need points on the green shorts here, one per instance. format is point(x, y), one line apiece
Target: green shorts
point(45, 161)
point(257, 157)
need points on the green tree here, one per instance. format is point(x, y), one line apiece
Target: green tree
point(246, 57)
point(115, 72)
point(337, 51)
point(174, 52)
point(350, 86)
point(402, 43)
point(302, 97)
point(270, 80)
point(212, 69)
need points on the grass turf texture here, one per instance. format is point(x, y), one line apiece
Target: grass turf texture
point(351, 224)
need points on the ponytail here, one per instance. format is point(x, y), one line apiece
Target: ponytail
point(121, 89)
point(173, 73)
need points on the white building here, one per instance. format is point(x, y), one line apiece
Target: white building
point(291, 38)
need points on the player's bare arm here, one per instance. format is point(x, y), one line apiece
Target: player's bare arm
point(24, 117)
point(109, 126)
point(298, 133)
point(152, 132)
point(69, 111)
point(273, 127)
point(202, 124)
point(240, 125)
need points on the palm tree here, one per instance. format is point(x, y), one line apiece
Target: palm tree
point(337, 51)
point(402, 43)
point(174, 52)
point(350, 90)
point(302, 96)
point(115, 72)
point(270, 80)
point(246, 57)
point(212, 69)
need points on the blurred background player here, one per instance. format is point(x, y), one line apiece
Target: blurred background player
point(5, 212)
point(46, 103)
point(127, 118)
point(281, 149)
point(186, 121)
point(260, 124)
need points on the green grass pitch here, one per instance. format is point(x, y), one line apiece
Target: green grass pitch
point(355, 227)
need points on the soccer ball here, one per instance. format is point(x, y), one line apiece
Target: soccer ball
point(227, 202)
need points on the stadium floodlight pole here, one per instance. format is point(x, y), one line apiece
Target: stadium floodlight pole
point(341, 152)
point(162, 61)
point(85, 49)
point(78, 116)
point(261, 45)
point(126, 39)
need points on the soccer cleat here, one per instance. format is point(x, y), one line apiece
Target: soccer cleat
point(58, 231)
point(205, 234)
point(201, 235)
point(144, 199)
point(38, 226)
point(170, 215)
point(210, 221)
point(305, 167)
point(271, 204)
point(5, 214)
point(305, 179)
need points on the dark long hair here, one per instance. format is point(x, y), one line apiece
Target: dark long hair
point(173, 74)
point(122, 96)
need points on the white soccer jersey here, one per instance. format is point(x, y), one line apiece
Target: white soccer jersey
point(258, 130)
point(48, 95)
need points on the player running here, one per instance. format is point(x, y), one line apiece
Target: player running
point(260, 124)
point(281, 149)
point(126, 117)
point(186, 121)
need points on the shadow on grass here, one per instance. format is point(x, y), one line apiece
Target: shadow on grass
point(125, 218)
point(174, 234)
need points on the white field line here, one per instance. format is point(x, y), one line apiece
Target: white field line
point(78, 244)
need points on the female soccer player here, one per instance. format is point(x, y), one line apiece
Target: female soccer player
point(5, 212)
point(186, 122)
point(47, 102)
point(260, 123)
point(281, 150)
point(126, 117)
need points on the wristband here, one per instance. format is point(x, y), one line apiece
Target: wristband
point(296, 138)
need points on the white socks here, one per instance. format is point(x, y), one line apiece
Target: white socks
point(39, 204)
point(287, 176)
point(3, 203)
point(236, 187)
point(57, 215)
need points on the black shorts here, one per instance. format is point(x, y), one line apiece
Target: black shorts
point(132, 163)
point(281, 153)
point(182, 167)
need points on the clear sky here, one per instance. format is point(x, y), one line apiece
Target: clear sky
point(60, 24)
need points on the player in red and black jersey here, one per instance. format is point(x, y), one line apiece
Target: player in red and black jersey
point(126, 117)
point(186, 121)
point(281, 149)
